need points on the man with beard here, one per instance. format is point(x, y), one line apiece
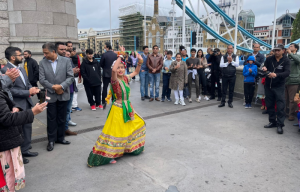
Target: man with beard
point(21, 92)
point(32, 69)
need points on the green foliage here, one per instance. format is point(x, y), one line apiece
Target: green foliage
point(296, 28)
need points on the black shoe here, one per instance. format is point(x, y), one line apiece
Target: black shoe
point(30, 147)
point(271, 125)
point(64, 142)
point(230, 105)
point(265, 112)
point(30, 154)
point(219, 99)
point(143, 98)
point(104, 106)
point(211, 98)
point(147, 97)
point(296, 125)
point(279, 129)
point(50, 146)
point(222, 105)
point(25, 161)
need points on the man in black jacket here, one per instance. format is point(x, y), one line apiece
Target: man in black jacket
point(214, 59)
point(259, 58)
point(229, 62)
point(91, 73)
point(278, 67)
point(106, 62)
point(32, 69)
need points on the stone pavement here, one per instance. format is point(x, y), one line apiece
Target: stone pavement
point(196, 148)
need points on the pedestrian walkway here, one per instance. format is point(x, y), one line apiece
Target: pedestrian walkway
point(198, 147)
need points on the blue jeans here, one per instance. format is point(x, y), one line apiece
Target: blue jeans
point(144, 83)
point(166, 91)
point(154, 78)
point(69, 108)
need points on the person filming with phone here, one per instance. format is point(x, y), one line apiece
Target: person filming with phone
point(278, 69)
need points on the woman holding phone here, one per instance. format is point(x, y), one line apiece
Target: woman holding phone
point(178, 79)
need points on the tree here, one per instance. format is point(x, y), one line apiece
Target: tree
point(296, 28)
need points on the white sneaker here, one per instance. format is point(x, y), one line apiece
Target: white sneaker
point(198, 100)
point(182, 102)
point(244, 103)
point(206, 98)
point(176, 102)
point(190, 100)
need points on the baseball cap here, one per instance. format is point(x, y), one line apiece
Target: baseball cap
point(279, 46)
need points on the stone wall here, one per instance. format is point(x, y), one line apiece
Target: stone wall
point(34, 22)
point(4, 27)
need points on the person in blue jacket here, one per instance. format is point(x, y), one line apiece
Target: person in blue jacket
point(249, 72)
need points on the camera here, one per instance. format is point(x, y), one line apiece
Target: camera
point(43, 95)
point(262, 74)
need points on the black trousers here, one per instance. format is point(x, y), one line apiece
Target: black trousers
point(249, 92)
point(91, 92)
point(27, 132)
point(56, 120)
point(275, 95)
point(202, 81)
point(106, 82)
point(215, 79)
point(228, 82)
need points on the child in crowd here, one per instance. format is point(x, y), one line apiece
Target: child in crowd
point(297, 100)
point(249, 72)
point(178, 79)
point(166, 92)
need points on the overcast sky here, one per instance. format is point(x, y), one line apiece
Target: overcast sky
point(95, 13)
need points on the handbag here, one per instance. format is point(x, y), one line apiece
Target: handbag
point(2, 179)
point(131, 69)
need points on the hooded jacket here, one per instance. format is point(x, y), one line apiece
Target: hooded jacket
point(91, 72)
point(249, 77)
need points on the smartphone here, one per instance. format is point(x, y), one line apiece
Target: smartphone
point(43, 94)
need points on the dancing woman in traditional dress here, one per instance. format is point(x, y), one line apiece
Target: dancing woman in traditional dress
point(124, 130)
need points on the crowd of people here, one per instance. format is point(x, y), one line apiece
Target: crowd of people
point(59, 72)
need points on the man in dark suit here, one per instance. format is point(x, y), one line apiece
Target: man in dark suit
point(21, 91)
point(32, 69)
point(56, 76)
point(106, 62)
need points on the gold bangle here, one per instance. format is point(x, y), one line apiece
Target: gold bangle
point(141, 62)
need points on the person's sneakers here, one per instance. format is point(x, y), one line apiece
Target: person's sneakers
point(244, 103)
point(71, 123)
point(190, 100)
point(176, 102)
point(206, 98)
point(182, 102)
point(143, 98)
point(162, 100)
point(279, 129)
point(68, 132)
point(99, 107)
point(169, 99)
point(271, 125)
point(76, 109)
point(246, 106)
point(93, 108)
point(249, 106)
point(147, 97)
point(198, 100)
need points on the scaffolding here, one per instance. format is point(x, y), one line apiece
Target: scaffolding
point(130, 26)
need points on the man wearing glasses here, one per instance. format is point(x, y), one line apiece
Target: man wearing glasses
point(278, 69)
point(21, 92)
point(154, 64)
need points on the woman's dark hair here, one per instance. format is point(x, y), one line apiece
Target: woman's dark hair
point(198, 52)
point(178, 54)
point(89, 51)
point(134, 54)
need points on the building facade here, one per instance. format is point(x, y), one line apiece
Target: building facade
point(91, 39)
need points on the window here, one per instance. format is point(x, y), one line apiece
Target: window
point(286, 32)
point(150, 39)
point(158, 38)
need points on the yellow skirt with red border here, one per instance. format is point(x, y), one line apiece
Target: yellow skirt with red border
point(118, 138)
